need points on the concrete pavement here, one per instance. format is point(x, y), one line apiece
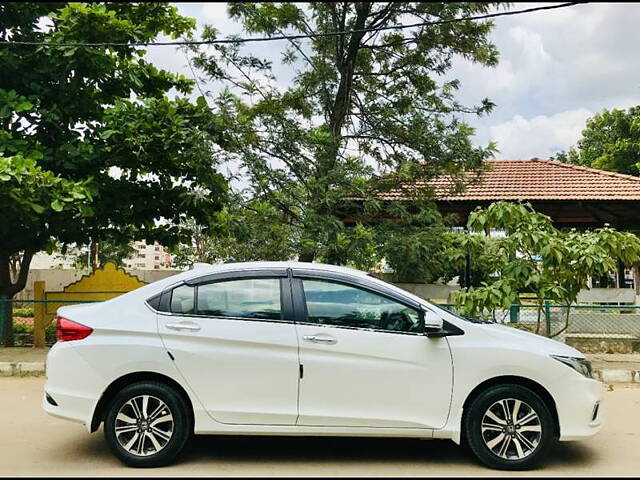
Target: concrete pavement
point(34, 444)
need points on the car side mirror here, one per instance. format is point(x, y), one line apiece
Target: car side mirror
point(432, 322)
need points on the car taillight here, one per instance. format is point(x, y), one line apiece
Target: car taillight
point(67, 330)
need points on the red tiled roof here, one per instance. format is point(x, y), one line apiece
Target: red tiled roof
point(536, 179)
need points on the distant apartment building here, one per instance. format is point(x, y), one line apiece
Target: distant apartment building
point(145, 257)
point(148, 257)
point(45, 261)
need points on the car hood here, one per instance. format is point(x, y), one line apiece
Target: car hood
point(514, 337)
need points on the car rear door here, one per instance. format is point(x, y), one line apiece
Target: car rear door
point(233, 339)
point(365, 359)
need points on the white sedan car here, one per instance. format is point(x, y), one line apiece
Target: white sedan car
point(284, 348)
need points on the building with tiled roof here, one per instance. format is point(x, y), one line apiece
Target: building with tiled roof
point(573, 196)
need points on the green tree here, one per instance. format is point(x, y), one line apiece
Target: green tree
point(535, 257)
point(471, 256)
point(414, 246)
point(30, 198)
point(242, 232)
point(610, 141)
point(106, 251)
point(362, 106)
point(99, 118)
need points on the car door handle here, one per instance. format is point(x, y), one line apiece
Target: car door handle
point(193, 327)
point(320, 338)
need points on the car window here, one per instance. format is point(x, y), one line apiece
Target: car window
point(333, 303)
point(182, 299)
point(246, 298)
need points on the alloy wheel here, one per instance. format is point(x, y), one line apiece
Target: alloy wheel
point(144, 425)
point(511, 429)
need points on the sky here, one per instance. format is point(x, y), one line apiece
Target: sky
point(557, 68)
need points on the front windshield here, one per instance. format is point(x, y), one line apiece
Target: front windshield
point(450, 309)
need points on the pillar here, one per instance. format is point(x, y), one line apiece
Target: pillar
point(38, 315)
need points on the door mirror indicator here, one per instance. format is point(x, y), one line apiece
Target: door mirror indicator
point(432, 322)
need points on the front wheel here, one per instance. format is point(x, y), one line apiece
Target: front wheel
point(509, 427)
point(147, 424)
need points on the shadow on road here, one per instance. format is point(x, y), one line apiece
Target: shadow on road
point(329, 451)
point(344, 449)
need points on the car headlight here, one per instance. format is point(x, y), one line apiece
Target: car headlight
point(580, 365)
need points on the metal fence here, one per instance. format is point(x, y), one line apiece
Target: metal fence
point(30, 320)
point(591, 328)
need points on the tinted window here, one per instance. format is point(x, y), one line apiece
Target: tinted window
point(182, 299)
point(154, 302)
point(334, 303)
point(247, 298)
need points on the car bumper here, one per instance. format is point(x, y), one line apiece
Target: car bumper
point(580, 407)
point(72, 386)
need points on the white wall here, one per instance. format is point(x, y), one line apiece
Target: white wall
point(57, 279)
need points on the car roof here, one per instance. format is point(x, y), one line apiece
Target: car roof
point(204, 270)
point(223, 267)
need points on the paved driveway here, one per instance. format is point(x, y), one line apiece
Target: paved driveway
point(33, 443)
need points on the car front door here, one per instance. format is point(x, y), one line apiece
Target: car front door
point(366, 360)
point(234, 342)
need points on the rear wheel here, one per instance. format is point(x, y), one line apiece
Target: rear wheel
point(147, 424)
point(509, 427)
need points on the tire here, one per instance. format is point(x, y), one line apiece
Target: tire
point(505, 441)
point(147, 439)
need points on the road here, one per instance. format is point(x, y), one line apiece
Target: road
point(33, 444)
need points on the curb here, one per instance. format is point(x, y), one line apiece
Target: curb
point(21, 369)
point(610, 375)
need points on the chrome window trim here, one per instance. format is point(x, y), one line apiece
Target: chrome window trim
point(224, 277)
point(372, 330)
point(214, 317)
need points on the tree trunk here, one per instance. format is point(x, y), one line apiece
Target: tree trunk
point(467, 272)
point(6, 321)
point(306, 256)
point(8, 289)
point(622, 281)
point(95, 256)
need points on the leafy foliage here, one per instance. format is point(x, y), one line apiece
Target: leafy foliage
point(71, 109)
point(107, 251)
point(366, 112)
point(537, 258)
point(472, 254)
point(133, 163)
point(414, 246)
point(23, 312)
point(31, 197)
point(254, 231)
point(610, 141)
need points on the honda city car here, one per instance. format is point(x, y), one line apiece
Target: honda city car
point(286, 348)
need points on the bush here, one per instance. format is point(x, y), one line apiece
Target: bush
point(19, 327)
point(23, 312)
point(50, 334)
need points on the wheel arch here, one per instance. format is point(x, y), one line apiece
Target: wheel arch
point(514, 380)
point(114, 387)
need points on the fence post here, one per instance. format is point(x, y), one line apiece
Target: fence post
point(2, 302)
point(514, 312)
point(38, 315)
point(547, 317)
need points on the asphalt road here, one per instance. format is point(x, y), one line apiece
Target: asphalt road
point(33, 443)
